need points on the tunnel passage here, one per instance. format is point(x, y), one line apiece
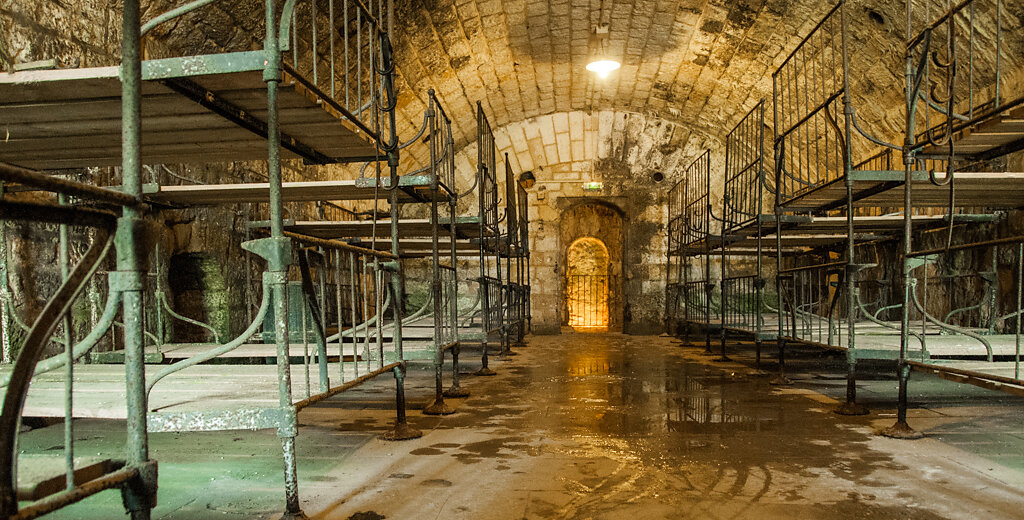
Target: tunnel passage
point(586, 284)
point(590, 269)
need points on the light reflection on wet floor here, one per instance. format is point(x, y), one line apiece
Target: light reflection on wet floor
point(667, 433)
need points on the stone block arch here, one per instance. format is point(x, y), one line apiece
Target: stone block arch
point(593, 221)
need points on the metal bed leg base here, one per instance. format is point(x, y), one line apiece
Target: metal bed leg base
point(438, 407)
point(456, 392)
point(851, 408)
point(901, 430)
point(401, 431)
point(485, 370)
point(758, 371)
point(293, 511)
point(780, 379)
point(139, 494)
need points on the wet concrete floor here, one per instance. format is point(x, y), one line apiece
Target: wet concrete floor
point(609, 426)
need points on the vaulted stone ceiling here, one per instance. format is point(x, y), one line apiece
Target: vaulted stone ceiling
point(690, 67)
point(690, 62)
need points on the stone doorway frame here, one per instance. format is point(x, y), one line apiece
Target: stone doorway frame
point(612, 231)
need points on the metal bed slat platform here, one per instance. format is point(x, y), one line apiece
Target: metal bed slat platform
point(807, 224)
point(1001, 131)
point(99, 389)
point(876, 341)
point(465, 228)
point(170, 352)
point(213, 194)
point(790, 242)
point(1001, 375)
point(996, 190)
point(465, 249)
point(188, 113)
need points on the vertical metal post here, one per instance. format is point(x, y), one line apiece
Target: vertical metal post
point(305, 344)
point(438, 407)
point(759, 282)
point(402, 430)
point(140, 495)
point(338, 315)
point(455, 390)
point(485, 301)
point(331, 30)
point(321, 336)
point(780, 158)
point(723, 304)
point(850, 407)
point(901, 429)
point(709, 287)
point(277, 268)
point(353, 301)
point(69, 368)
point(1020, 289)
point(159, 300)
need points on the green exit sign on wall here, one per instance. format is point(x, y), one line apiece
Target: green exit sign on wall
point(592, 186)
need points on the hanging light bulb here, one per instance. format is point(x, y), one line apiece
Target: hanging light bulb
point(603, 67)
point(601, 63)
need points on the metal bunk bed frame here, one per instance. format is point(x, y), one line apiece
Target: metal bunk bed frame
point(491, 288)
point(137, 475)
point(966, 131)
point(693, 240)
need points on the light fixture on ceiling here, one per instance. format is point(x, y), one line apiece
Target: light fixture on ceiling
point(601, 62)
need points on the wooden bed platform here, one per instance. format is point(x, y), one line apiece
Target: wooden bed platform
point(173, 352)
point(1002, 373)
point(879, 342)
point(1000, 131)
point(71, 118)
point(1000, 190)
point(465, 228)
point(423, 247)
point(99, 389)
point(792, 242)
point(213, 194)
point(875, 224)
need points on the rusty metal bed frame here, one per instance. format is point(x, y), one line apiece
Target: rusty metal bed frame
point(310, 110)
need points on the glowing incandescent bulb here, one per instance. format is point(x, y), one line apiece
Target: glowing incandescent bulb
point(601, 61)
point(603, 67)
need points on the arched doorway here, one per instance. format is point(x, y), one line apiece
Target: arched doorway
point(591, 245)
point(586, 283)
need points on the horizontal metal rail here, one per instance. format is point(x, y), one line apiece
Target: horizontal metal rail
point(340, 246)
point(348, 385)
point(113, 480)
point(973, 245)
point(42, 181)
point(967, 373)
